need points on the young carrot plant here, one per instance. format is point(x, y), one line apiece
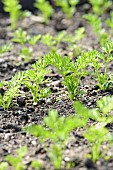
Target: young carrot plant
point(67, 6)
point(63, 64)
point(5, 48)
point(53, 42)
point(14, 9)
point(100, 114)
point(33, 78)
point(16, 161)
point(21, 37)
point(96, 24)
point(70, 71)
point(73, 40)
point(105, 104)
point(45, 8)
point(57, 130)
point(103, 77)
point(77, 36)
point(97, 134)
point(48, 40)
point(59, 38)
point(12, 90)
point(104, 5)
point(109, 21)
point(3, 166)
point(37, 165)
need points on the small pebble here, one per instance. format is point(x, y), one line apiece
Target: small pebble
point(34, 142)
point(67, 159)
point(7, 136)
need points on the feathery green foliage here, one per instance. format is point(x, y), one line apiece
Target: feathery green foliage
point(96, 24)
point(14, 9)
point(45, 8)
point(104, 5)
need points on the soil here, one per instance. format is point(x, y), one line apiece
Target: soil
point(23, 112)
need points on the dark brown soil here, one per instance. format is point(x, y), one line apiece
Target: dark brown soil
point(23, 112)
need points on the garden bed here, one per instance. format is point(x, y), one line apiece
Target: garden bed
point(23, 111)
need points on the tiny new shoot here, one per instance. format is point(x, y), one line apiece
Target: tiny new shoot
point(67, 6)
point(97, 134)
point(45, 8)
point(16, 161)
point(33, 78)
point(99, 114)
point(104, 79)
point(12, 87)
point(109, 22)
point(37, 164)
point(5, 48)
point(104, 5)
point(3, 166)
point(21, 37)
point(73, 40)
point(57, 129)
point(70, 71)
point(96, 24)
point(48, 40)
point(14, 9)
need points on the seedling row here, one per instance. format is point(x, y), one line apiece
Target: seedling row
point(55, 131)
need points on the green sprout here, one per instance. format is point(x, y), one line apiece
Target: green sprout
point(67, 6)
point(16, 161)
point(73, 40)
point(96, 24)
point(105, 104)
point(21, 37)
point(54, 42)
point(37, 165)
point(104, 5)
point(104, 79)
point(5, 48)
point(14, 9)
point(96, 136)
point(45, 8)
point(3, 166)
point(48, 40)
point(99, 114)
point(33, 78)
point(70, 71)
point(12, 90)
point(109, 22)
point(57, 129)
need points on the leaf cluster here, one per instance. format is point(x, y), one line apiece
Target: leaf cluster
point(97, 134)
point(16, 161)
point(20, 36)
point(12, 87)
point(57, 129)
point(96, 24)
point(14, 9)
point(45, 8)
point(104, 5)
point(67, 6)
